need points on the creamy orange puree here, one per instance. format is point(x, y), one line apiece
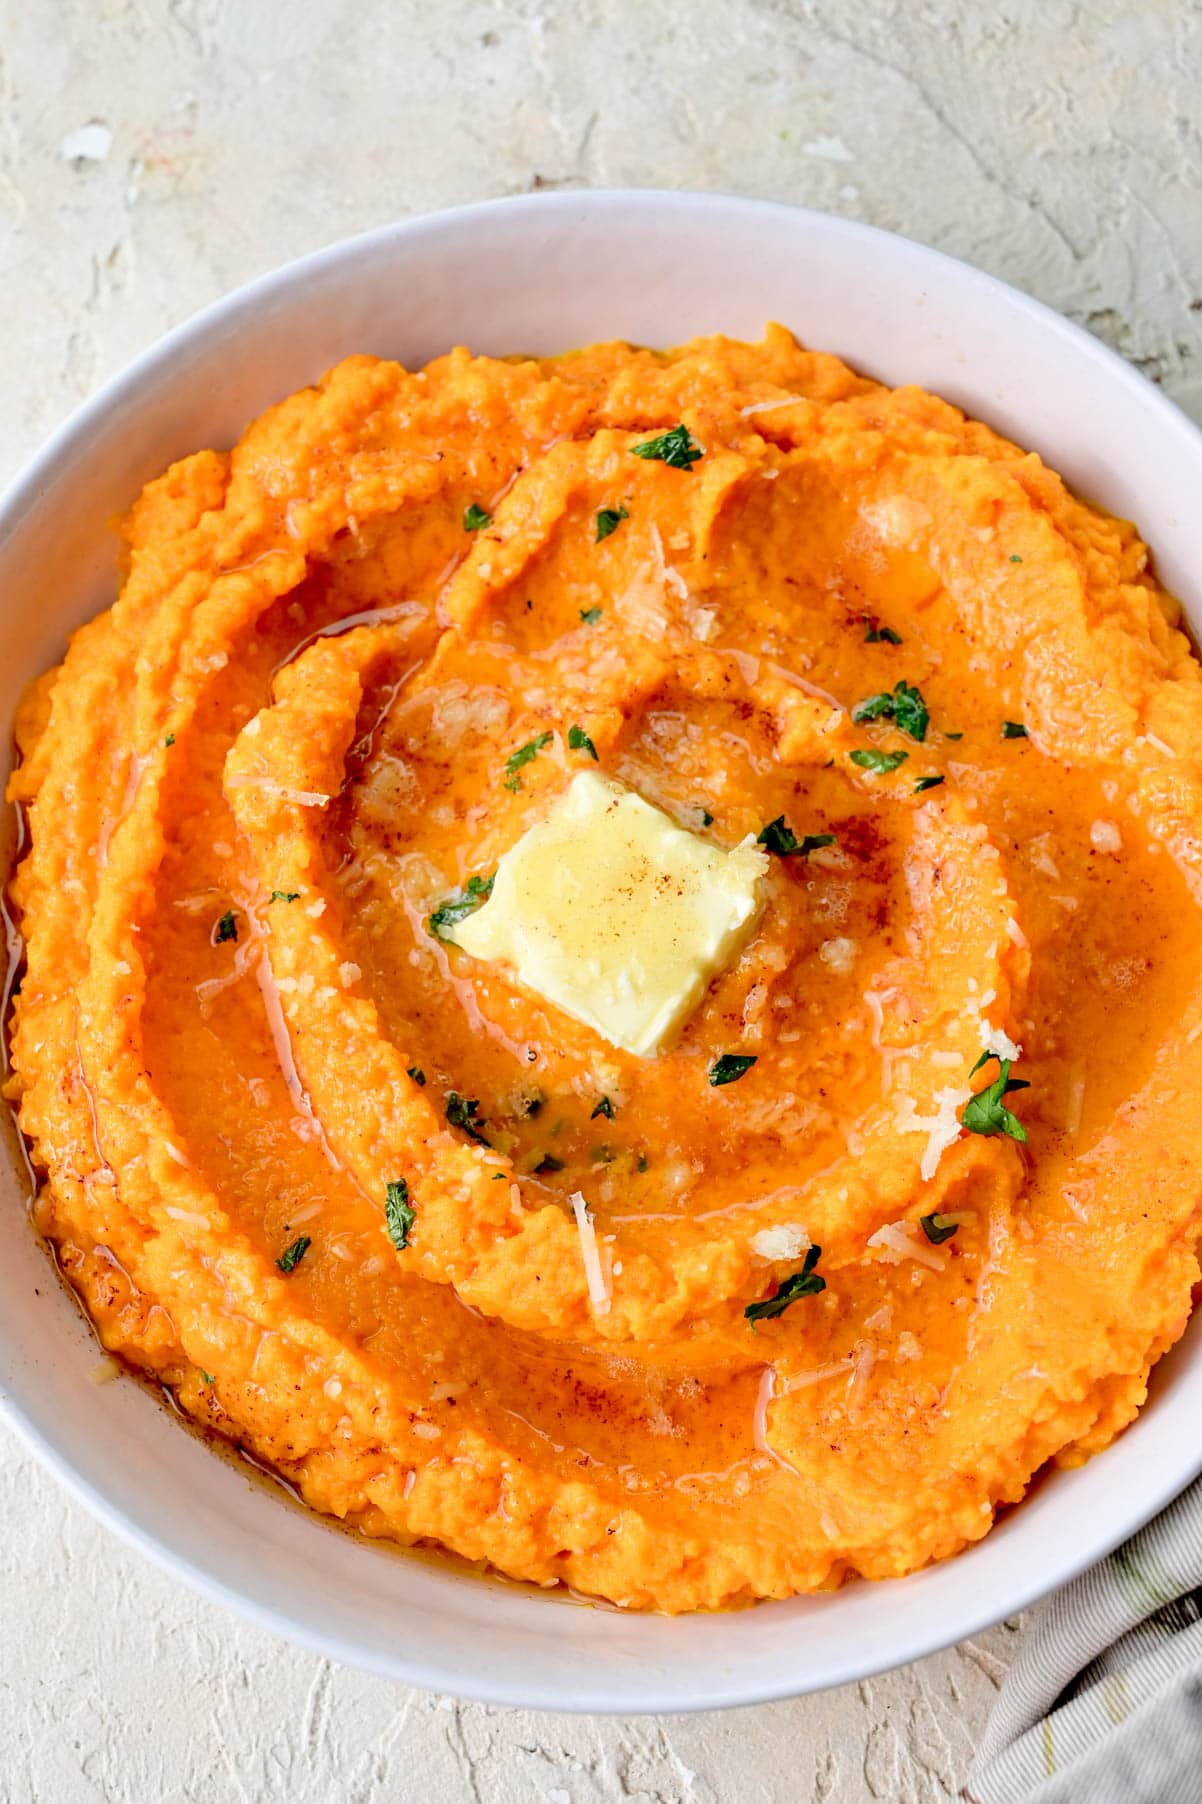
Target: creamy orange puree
point(253, 780)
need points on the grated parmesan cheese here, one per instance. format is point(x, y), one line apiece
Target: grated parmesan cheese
point(788, 1240)
point(747, 413)
point(1076, 1097)
point(598, 1288)
point(303, 798)
point(863, 1360)
point(187, 1218)
point(998, 1041)
point(838, 955)
point(1104, 836)
point(801, 1381)
point(942, 1128)
point(897, 1241)
point(1041, 858)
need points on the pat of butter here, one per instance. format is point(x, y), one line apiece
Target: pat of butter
point(614, 913)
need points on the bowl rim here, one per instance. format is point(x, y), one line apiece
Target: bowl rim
point(38, 1431)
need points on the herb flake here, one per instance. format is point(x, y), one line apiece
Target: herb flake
point(987, 1112)
point(674, 448)
point(937, 1228)
point(880, 762)
point(730, 1067)
point(878, 634)
point(418, 1075)
point(457, 907)
point(1013, 729)
point(805, 1283)
point(590, 616)
point(928, 783)
point(604, 1107)
point(398, 1213)
point(227, 927)
point(608, 520)
point(780, 838)
point(464, 1112)
point(903, 704)
point(291, 1257)
point(474, 518)
point(285, 895)
point(579, 741)
point(523, 755)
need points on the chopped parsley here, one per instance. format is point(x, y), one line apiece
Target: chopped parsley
point(903, 704)
point(937, 1228)
point(730, 1067)
point(674, 448)
point(880, 762)
point(707, 819)
point(805, 1283)
point(928, 783)
point(285, 895)
point(987, 1112)
point(876, 634)
point(1013, 729)
point(464, 1112)
point(548, 1162)
point(398, 1213)
point(579, 741)
point(227, 926)
point(590, 616)
point(1014, 558)
point(780, 838)
point(953, 735)
point(523, 755)
point(170, 739)
point(457, 907)
point(608, 520)
point(291, 1257)
point(474, 518)
point(418, 1075)
point(208, 1377)
point(604, 1107)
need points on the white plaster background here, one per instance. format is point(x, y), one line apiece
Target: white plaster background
point(154, 155)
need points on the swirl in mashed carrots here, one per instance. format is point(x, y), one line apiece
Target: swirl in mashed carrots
point(806, 1291)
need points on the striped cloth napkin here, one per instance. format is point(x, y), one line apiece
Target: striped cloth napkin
point(1104, 1703)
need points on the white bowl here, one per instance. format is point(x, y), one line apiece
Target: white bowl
point(541, 274)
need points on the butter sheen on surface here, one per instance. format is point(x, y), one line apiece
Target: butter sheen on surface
point(612, 912)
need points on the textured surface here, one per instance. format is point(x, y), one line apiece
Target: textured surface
point(153, 156)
